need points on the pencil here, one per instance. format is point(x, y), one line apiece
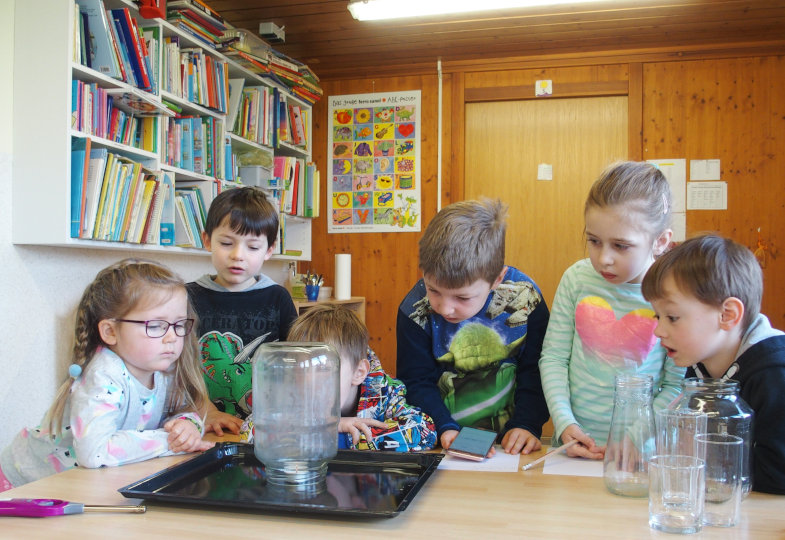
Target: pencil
point(549, 454)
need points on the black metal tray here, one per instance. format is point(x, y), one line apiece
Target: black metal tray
point(358, 484)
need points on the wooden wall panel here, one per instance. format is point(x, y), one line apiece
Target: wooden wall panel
point(384, 265)
point(734, 110)
point(727, 108)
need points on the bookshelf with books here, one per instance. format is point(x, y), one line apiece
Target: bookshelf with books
point(97, 127)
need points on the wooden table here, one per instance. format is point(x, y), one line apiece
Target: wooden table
point(452, 504)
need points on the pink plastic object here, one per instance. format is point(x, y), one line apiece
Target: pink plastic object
point(57, 507)
point(39, 507)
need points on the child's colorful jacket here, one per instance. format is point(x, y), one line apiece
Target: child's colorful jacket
point(384, 398)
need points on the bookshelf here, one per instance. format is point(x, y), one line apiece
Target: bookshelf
point(42, 133)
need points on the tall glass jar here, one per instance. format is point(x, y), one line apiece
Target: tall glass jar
point(727, 413)
point(631, 437)
point(296, 409)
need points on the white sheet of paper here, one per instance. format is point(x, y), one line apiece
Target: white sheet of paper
point(707, 196)
point(679, 226)
point(545, 171)
point(561, 464)
point(500, 462)
point(675, 171)
point(704, 169)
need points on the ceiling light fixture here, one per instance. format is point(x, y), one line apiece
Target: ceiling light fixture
point(374, 10)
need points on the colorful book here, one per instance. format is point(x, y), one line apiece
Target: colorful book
point(166, 210)
point(102, 49)
point(130, 40)
point(80, 162)
point(102, 196)
point(186, 160)
point(95, 174)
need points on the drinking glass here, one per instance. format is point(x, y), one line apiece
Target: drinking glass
point(676, 430)
point(722, 453)
point(676, 492)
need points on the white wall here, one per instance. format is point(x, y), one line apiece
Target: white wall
point(40, 286)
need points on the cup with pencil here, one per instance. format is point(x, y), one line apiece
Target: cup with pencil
point(312, 284)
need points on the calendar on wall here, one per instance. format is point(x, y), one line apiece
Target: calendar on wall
point(374, 162)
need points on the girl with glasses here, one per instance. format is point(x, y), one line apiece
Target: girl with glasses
point(135, 390)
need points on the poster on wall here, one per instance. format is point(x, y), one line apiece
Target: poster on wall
point(373, 149)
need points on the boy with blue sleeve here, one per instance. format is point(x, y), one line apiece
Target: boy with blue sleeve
point(470, 331)
point(374, 412)
point(238, 305)
point(706, 294)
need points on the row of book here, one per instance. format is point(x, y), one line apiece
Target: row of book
point(191, 214)
point(111, 42)
point(263, 115)
point(195, 76)
point(116, 199)
point(93, 112)
point(196, 143)
point(295, 186)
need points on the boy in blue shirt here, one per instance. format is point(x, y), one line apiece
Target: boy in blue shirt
point(706, 294)
point(470, 332)
point(238, 305)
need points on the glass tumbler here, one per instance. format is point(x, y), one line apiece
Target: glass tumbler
point(296, 410)
point(727, 413)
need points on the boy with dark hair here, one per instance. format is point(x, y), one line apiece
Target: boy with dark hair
point(470, 332)
point(706, 294)
point(238, 305)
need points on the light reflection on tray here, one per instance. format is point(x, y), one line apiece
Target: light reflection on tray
point(369, 484)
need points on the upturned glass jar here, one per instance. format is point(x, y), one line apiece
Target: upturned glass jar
point(296, 409)
point(631, 437)
point(727, 412)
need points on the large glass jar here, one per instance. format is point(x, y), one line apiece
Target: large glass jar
point(631, 437)
point(727, 413)
point(296, 410)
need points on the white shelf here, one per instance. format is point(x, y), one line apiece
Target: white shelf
point(44, 70)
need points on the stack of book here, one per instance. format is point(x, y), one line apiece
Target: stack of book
point(299, 195)
point(94, 112)
point(116, 199)
point(193, 75)
point(298, 77)
point(111, 42)
point(196, 143)
point(191, 216)
point(197, 19)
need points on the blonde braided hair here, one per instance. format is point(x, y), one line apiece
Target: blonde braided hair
point(115, 291)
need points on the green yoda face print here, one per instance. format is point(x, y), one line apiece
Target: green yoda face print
point(480, 392)
point(227, 372)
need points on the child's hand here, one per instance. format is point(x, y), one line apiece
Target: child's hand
point(586, 446)
point(448, 437)
point(353, 425)
point(184, 436)
point(217, 421)
point(520, 441)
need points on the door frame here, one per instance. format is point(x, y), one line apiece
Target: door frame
point(461, 95)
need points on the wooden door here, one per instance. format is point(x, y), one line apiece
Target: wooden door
point(505, 143)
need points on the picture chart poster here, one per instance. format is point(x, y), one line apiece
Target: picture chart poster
point(374, 162)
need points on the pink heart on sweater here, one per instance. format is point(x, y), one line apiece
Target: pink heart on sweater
point(613, 340)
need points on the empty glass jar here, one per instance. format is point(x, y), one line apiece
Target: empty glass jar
point(631, 438)
point(296, 409)
point(727, 413)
